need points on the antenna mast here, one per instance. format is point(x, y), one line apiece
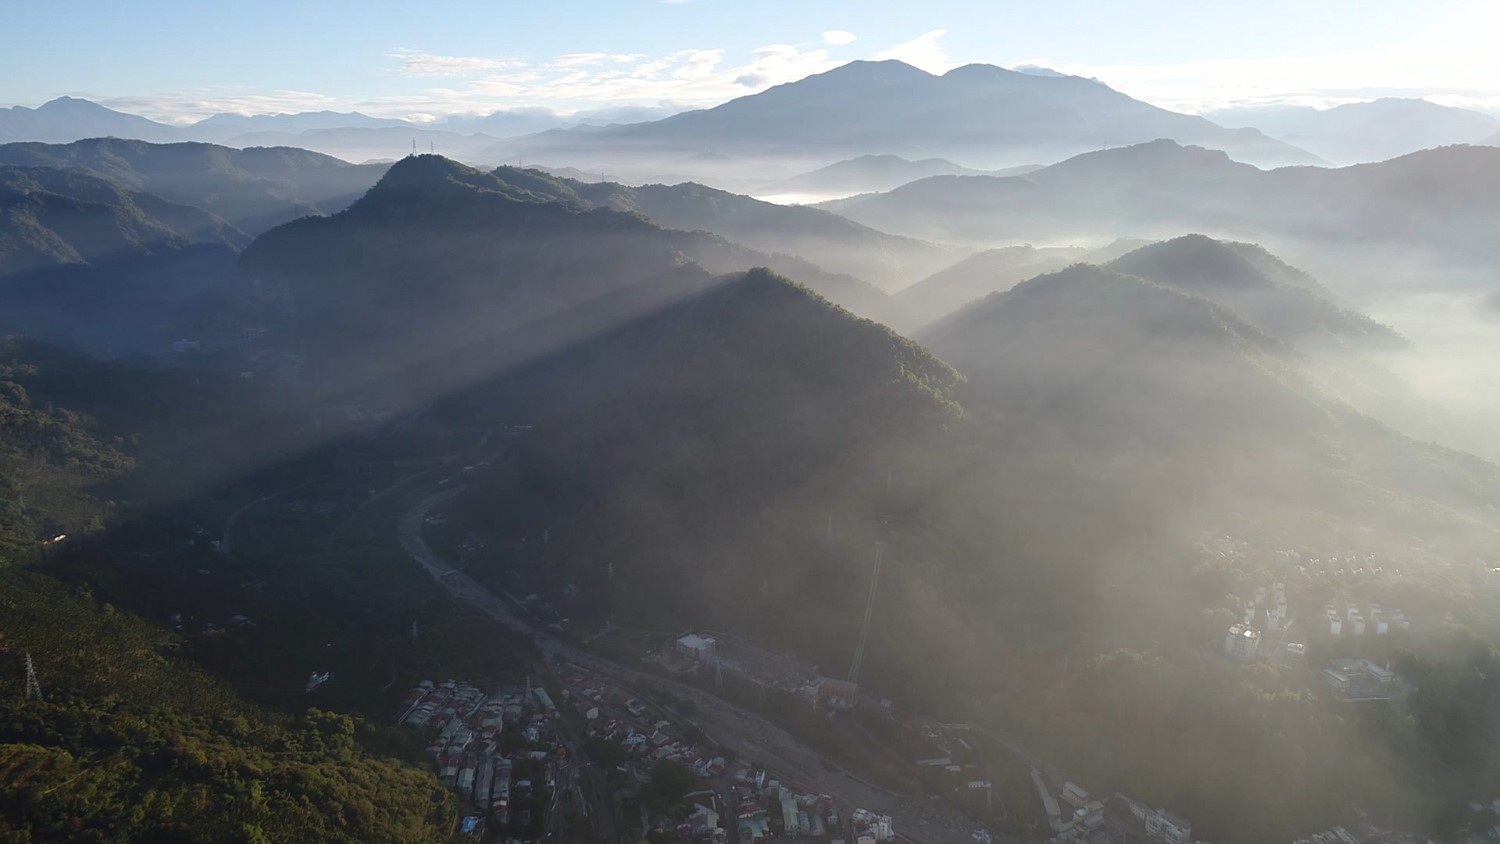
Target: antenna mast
point(33, 688)
point(864, 630)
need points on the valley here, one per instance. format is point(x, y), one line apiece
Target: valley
point(840, 439)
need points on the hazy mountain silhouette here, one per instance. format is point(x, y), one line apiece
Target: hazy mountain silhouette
point(826, 239)
point(67, 119)
point(967, 112)
point(869, 173)
point(253, 189)
point(54, 217)
point(1364, 132)
point(720, 393)
point(439, 256)
point(1267, 293)
point(219, 128)
point(987, 272)
point(1114, 358)
point(1096, 362)
point(1447, 199)
point(88, 263)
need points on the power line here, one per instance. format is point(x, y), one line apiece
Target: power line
point(864, 630)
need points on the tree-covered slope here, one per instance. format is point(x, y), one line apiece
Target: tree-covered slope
point(131, 742)
point(132, 739)
point(824, 238)
point(253, 189)
point(50, 217)
point(704, 446)
point(1273, 296)
point(439, 256)
point(977, 276)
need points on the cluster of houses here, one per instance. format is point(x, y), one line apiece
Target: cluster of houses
point(612, 715)
point(468, 749)
point(1370, 619)
point(1076, 817)
point(769, 808)
point(1264, 612)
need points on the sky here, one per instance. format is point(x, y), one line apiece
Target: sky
point(179, 61)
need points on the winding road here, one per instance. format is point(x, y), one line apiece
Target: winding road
point(745, 733)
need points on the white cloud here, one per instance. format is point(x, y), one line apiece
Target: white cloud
point(692, 77)
point(592, 59)
point(421, 63)
point(838, 37)
point(1444, 74)
point(925, 51)
point(190, 106)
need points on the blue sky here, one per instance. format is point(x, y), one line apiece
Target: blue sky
point(178, 60)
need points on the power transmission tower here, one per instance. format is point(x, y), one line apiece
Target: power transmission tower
point(33, 688)
point(864, 630)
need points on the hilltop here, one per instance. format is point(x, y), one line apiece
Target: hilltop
point(439, 256)
point(1273, 296)
point(721, 394)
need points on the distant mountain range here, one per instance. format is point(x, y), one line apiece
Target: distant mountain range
point(67, 119)
point(252, 189)
point(351, 135)
point(821, 237)
point(1364, 132)
point(975, 113)
point(875, 173)
point(1445, 199)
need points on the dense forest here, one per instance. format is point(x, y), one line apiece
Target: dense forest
point(162, 717)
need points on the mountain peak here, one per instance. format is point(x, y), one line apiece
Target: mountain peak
point(1192, 259)
point(885, 70)
point(71, 104)
point(979, 71)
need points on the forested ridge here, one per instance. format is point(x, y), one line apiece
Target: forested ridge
point(144, 732)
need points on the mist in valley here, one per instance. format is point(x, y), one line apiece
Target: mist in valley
point(979, 453)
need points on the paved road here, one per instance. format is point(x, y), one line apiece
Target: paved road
point(747, 734)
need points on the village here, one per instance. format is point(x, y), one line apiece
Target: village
point(515, 768)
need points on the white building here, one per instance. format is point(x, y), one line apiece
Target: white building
point(700, 648)
point(1242, 642)
point(1162, 825)
point(1335, 624)
point(875, 826)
